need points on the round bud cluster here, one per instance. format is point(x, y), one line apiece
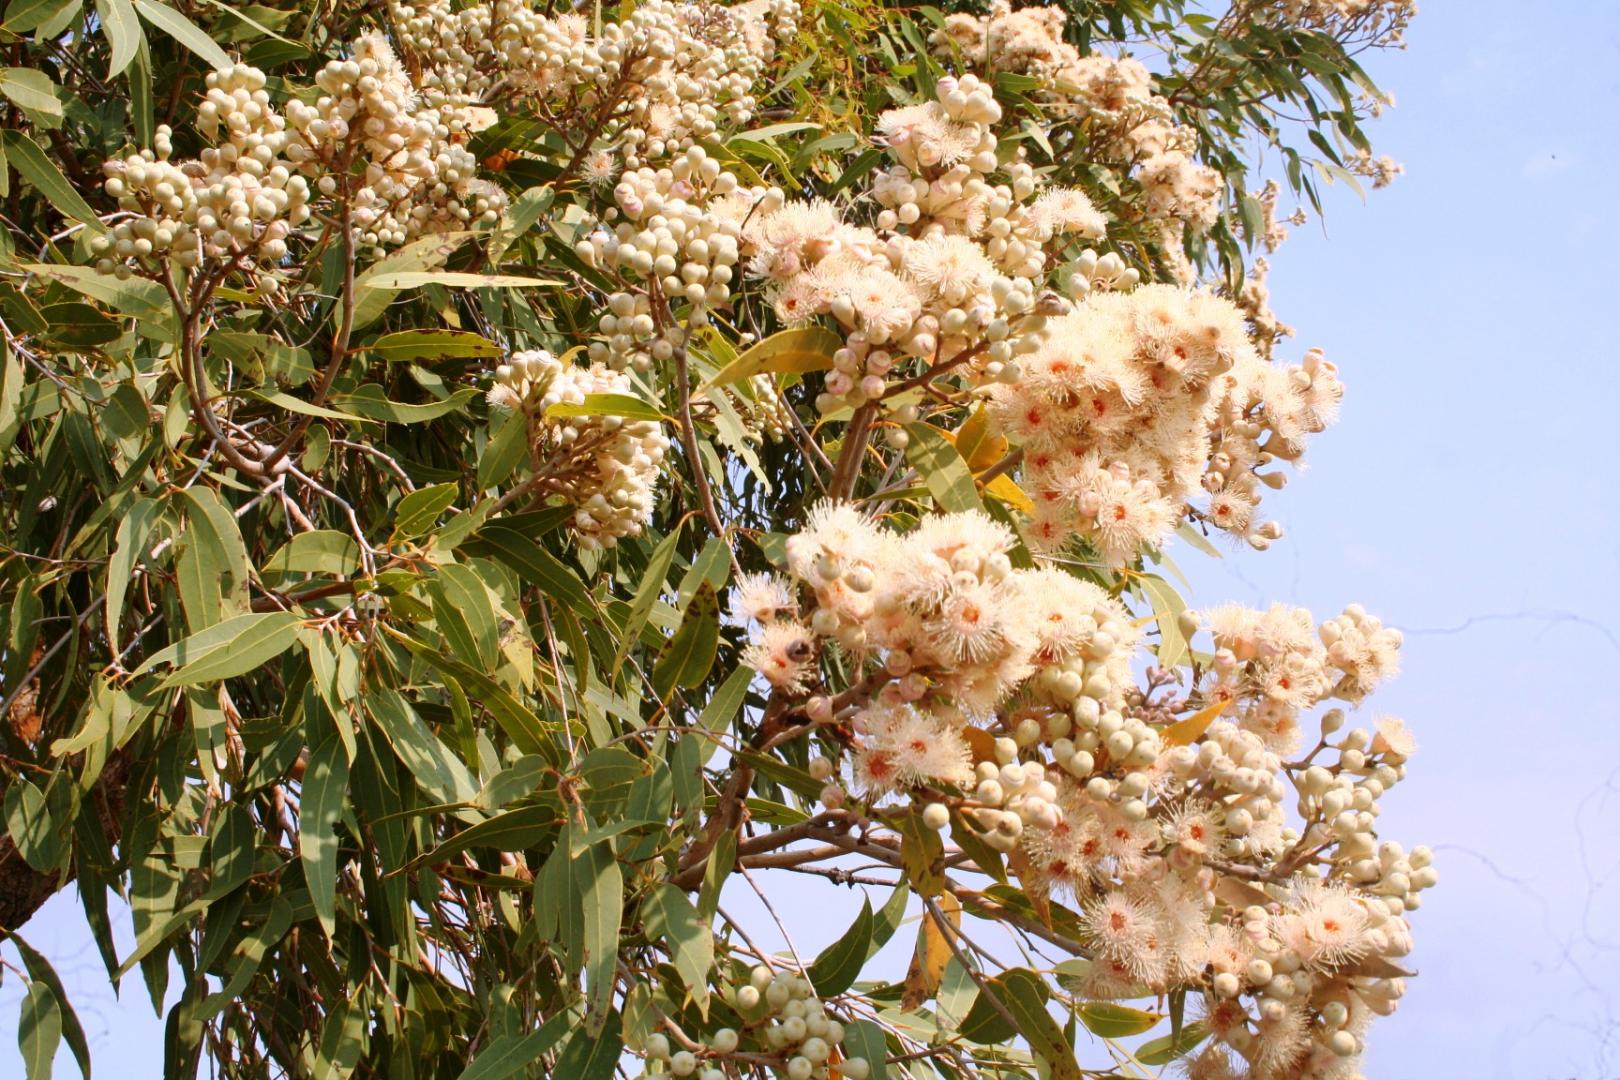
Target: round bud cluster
point(759, 408)
point(417, 180)
point(691, 66)
point(606, 466)
point(239, 202)
point(1012, 795)
point(1127, 124)
point(784, 1019)
point(1090, 273)
point(1233, 766)
point(671, 243)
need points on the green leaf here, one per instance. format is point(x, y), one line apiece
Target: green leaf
point(942, 469)
point(668, 916)
point(535, 565)
point(23, 16)
point(145, 300)
point(39, 1031)
point(323, 551)
point(372, 401)
point(723, 706)
point(413, 279)
point(438, 771)
point(1024, 995)
point(418, 511)
point(512, 1054)
point(624, 405)
point(592, 1055)
point(31, 163)
point(840, 963)
point(807, 348)
point(1113, 1021)
point(515, 830)
point(508, 443)
point(1167, 1048)
point(602, 904)
point(31, 89)
point(133, 530)
point(325, 787)
point(523, 212)
point(231, 648)
point(465, 616)
point(408, 345)
point(686, 658)
point(40, 970)
point(641, 605)
point(865, 1040)
point(184, 31)
point(1168, 606)
point(123, 33)
point(370, 301)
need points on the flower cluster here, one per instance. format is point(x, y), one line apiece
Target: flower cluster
point(237, 203)
point(1132, 127)
point(691, 66)
point(784, 1017)
point(604, 466)
point(1136, 404)
point(676, 237)
point(245, 195)
point(1008, 695)
point(419, 178)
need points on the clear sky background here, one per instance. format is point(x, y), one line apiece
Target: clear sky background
point(1468, 496)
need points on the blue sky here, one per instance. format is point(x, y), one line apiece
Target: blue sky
point(1468, 496)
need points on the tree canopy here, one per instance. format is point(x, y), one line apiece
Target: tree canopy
point(482, 483)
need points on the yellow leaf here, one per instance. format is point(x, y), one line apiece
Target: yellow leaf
point(979, 446)
point(808, 348)
point(1190, 730)
point(932, 954)
point(1007, 490)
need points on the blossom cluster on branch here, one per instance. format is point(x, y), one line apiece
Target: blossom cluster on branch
point(1010, 696)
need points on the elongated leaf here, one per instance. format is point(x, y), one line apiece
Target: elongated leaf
point(512, 1054)
point(687, 657)
point(31, 89)
point(408, 345)
point(536, 565)
point(40, 970)
point(1168, 607)
point(807, 348)
point(1112, 1021)
point(250, 641)
point(417, 512)
point(412, 279)
point(184, 31)
point(31, 163)
point(641, 605)
point(1166, 1048)
point(607, 405)
point(592, 1055)
point(669, 917)
point(133, 531)
point(39, 1031)
point(515, 830)
point(839, 964)
point(602, 904)
point(143, 299)
point(371, 401)
point(942, 469)
point(1190, 729)
point(438, 771)
point(863, 1039)
point(323, 551)
point(123, 32)
point(326, 784)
